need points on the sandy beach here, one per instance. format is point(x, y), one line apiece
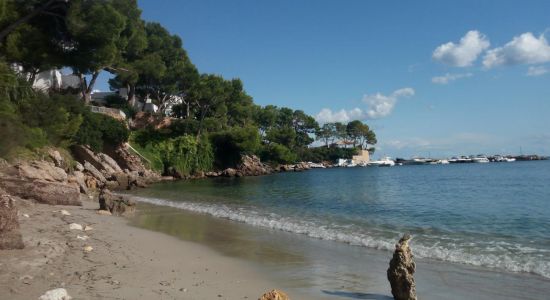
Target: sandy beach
point(125, 263)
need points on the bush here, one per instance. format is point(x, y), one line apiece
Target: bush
point(185, 154)
point(97, 130)
point(230, 145)
point(278, 154)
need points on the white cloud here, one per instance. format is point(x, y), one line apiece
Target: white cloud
point(450, 77)
point(465, 52)
point(523, 49)
point(537, 70)
point(381, 105)
point(328, 116)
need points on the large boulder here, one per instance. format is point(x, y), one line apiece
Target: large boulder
point(54, 193)
point(401, 271)
point(10, 237)
point(116, 204)
point(274, 295)
point(40, 170)
point(57, 158)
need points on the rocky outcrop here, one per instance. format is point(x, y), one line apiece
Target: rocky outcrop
point(10, 237)
point(274, 295)
point(54, 193)
point(41, 181)
point(252, 166)
point(37, 170)
point(302, 166)
point(401, 271)
point(127, 160)
point(116, 204)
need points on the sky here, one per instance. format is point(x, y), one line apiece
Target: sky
point(431, 78)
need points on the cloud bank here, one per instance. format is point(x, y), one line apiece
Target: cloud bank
point(379, 106)
point(523, 49)
point(465, 52)
point(445, 79)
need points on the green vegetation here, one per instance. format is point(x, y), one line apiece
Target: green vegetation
point(214, 121)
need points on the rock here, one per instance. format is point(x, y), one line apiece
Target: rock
point(94, 172)
point(64, 212)
point(82, 237)
point(127, 160)
point(212, 174)
point(75, 226)
point(401, 271)
point(229, 172)
point(274, 295)
point(108, 161)
point(88, 228)
point(91, 182)
point(57, 158)
point(124, 180)
point(104, 212)
point(56, 294)
point(88, 248)
point(116, 204)
point(36, 170)
point(54, 193)
point(80, 179)
point(252, 166)
point(10, 236)
point(79, 167)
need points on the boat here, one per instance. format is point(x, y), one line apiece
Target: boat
point(480, 159)
point(460, 160)
point(316, 165)
point(384, 162)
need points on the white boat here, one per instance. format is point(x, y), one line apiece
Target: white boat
point(480, 159)
point(509, 159)
point(384, 162)
point(315, 165)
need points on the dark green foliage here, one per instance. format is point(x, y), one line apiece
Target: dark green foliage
point(230, 145)
point(331, 154)
point(278, 154)
point(97, 130)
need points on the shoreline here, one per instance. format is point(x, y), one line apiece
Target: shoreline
point(126, 262)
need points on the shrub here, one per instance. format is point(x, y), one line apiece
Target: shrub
point(97, 130)
point(230, 145)
point(185, 154)
point(276, 153)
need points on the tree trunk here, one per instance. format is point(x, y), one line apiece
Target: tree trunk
point(131, 95)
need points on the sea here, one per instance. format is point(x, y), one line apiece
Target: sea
point(478, 220)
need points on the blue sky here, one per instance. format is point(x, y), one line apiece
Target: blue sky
point(432, 78)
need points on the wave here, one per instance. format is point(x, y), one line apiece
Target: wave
point(499, 255)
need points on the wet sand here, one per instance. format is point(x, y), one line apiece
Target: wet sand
point(325, 269)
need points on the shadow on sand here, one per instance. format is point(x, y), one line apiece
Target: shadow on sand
point(354, 295)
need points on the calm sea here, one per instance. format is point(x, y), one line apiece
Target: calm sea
point(494, 215)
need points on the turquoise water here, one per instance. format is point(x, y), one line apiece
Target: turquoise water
point(495, 215)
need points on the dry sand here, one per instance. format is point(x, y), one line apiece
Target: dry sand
point(125, 263)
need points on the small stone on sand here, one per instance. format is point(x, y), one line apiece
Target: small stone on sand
point(26, 216)
point(88, 248)
point(56, 294)
point(104, 212)
point(75, 226)
point(64, 212)
point(82, 237)
point(88, 228)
